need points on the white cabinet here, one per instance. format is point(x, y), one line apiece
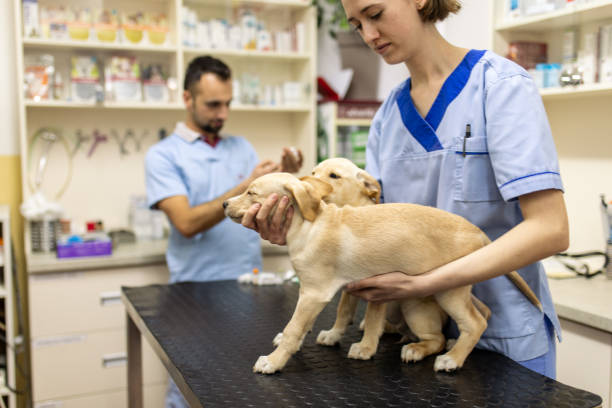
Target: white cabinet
point(78, 337)
point(7, 354)
point(584, 359)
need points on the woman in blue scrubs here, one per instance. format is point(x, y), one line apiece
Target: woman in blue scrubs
point(467, 133)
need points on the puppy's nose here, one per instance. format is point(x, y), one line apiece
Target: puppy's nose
point(224, 204)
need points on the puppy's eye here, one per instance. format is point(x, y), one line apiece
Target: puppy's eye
point(334, 175)
point(250, 193)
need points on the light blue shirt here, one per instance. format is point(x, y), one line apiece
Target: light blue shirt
point(182, 164)
point(510, 153)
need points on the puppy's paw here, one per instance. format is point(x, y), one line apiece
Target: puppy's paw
point(277, 339)
point(359, 351)
point(264, 366)
point(450, 343)
point(412, 353)
point(362, 324)
point(329, 337)
point(445, 363)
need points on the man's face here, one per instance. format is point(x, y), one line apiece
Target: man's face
point(208, 103)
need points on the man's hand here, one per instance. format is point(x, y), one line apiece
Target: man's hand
point(273, 229)
point(264, 167)
point(291, 160)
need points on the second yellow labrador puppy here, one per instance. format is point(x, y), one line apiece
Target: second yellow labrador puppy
point(422, 318)
point(331, 246)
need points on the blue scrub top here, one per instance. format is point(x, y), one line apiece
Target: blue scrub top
point(510, 152)
point(182, 164)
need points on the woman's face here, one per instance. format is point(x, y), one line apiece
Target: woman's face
point(392, 28)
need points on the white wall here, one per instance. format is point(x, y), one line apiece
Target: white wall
point(471, 28)
point(9, 139)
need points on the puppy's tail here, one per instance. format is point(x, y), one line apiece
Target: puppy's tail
point(520, 283)
point(481, 307)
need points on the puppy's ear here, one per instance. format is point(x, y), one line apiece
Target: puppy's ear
point(371, 187)
point(322, 188)
point(307, 199)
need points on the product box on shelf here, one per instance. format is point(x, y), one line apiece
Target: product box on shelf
point(79, 23)
point(357, 109)
point(122, 79)
point(154, 84)
point(528, 54)
point(605, 53)
point(38, 76)
point(84, 78)
point(156, 28)
point(90, 244)
point(106, 25)
point(31, 26)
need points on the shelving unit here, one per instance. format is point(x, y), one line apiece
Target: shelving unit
point(101, 185)
point(336, 122)
point(572, 14)
point(548, 27)
point(268, 127)
point(6, 298)
point(579, 120)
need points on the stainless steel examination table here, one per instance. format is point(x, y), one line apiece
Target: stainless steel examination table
point(209, 335)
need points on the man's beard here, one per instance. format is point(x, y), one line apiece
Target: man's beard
point(208, 127)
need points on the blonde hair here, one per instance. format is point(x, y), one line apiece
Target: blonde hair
point(438, 10)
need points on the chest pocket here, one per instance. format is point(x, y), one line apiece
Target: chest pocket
point(474, 176)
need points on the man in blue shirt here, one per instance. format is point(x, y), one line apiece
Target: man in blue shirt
point(189, 175)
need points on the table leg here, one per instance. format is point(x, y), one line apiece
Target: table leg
point(134, 365)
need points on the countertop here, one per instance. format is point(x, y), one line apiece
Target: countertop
point(585, 301)
point(133, 254)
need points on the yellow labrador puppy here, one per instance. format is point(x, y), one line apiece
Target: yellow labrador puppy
point(331, 246)
point(355, 187)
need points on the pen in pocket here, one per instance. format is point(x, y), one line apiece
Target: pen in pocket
point(468, 134)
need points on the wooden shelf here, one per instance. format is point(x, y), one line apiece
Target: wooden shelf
point(353, 122)
point(280, 108)
point(568, 16)
point(258, 3)
point(161, 106)
point(576, 91)
point(292, 56)
point(95, 45)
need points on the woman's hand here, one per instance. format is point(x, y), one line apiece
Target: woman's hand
point(390, 286)
point(274, 228)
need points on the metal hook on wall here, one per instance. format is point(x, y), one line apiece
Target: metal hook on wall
point(80, 139)
point(123, 151)
point(98, 138)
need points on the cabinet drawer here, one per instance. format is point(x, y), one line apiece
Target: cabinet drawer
point(154, 396)
point(86, 363)
point(72, 302)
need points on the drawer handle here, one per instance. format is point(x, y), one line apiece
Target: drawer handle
point(114, 359)
point(110, 298)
